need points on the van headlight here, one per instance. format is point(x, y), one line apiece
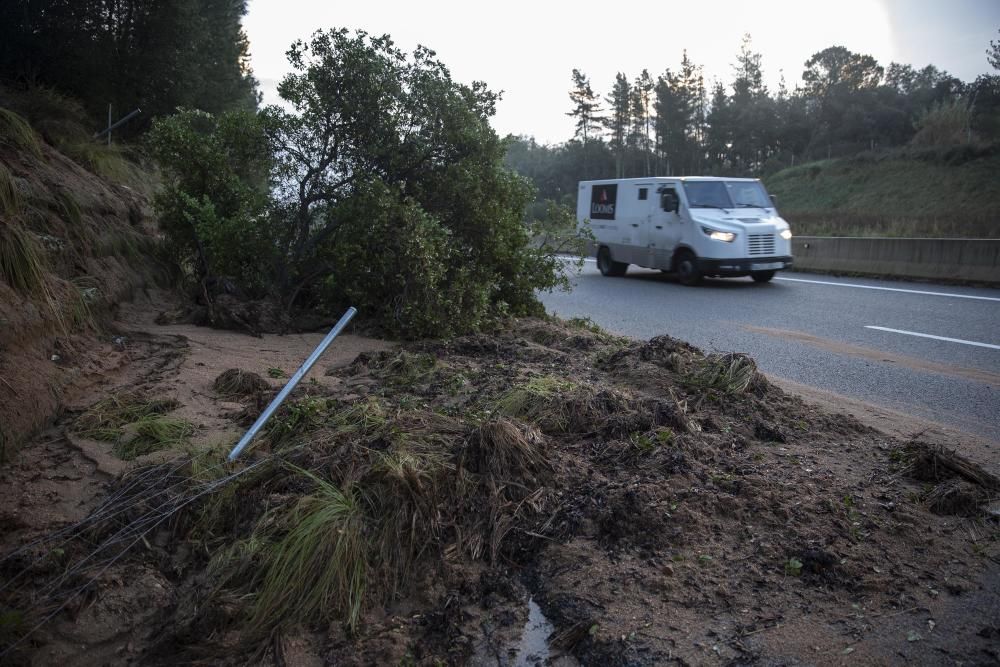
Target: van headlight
point(716, 235)
point(786, 233)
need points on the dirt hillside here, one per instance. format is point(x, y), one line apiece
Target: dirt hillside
point(76, 239)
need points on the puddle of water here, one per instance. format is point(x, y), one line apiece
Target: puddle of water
point(533, 648)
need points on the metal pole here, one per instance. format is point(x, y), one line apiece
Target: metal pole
point(109, 125)
point(116, 125)
point(299, 374)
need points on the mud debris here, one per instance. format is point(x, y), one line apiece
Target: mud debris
point(659, 505)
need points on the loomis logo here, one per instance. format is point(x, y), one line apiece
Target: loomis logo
point(602, 202)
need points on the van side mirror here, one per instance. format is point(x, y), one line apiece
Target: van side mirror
point(774, 200)
point(669, 202)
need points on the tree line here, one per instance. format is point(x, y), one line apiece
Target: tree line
point(146, 54)
point(677, 123)
point(380, 183)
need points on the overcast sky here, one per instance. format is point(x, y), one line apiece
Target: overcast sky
point(529, 49)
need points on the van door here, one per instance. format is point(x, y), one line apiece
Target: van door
point(664, 227)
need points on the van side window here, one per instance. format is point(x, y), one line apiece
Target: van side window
point(642, 194)
point(668, 199)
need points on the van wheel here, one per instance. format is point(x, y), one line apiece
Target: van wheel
point(686, 265)
point(607, 266)
point(762, 276)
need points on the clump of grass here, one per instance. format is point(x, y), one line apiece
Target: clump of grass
point(121, 245)
point(405, 369)
point(15, 131)
point(108, 162)
point(296, 419)
point(319, 568)
point(276, 373)
point(69, 207)
point(649, 442)
point(504, 449)
point(237, 382)
point(361, 417)
point(730, 373)
point(106, 419)
point(10, 196)
point(151, 434)
point(539, 401)
point(557, 405)
point(21, 262)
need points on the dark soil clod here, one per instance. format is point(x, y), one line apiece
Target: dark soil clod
point(236, 382)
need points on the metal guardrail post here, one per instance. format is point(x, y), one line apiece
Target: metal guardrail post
point(121, 122)
point(299, 374)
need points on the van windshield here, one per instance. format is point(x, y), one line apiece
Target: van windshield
point(726, 194)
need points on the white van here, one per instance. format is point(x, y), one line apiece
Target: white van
point(695, 226)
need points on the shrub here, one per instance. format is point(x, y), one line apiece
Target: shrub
point(943, 124)
point(408, 214)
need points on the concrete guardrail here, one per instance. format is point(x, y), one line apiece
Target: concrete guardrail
point(950, 259)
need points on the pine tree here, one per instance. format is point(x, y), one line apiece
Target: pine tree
point(587, 111)
point(617, 122)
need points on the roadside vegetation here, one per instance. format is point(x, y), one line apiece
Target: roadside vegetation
point(383, 188)
point(861, 148)
point(913, 192)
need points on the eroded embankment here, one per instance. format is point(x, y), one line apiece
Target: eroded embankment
point(73, 245)
point(656, 503)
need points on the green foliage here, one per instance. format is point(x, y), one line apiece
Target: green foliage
point(937, 193)
point(106, 419)
point(156, 55)
point(649, 442)
point(296, 419)
point(556, 232)
point(946, 123)
point(432, 216)
point(214, 206)
point(319, 568)
point(341, 201)
point(849, 104)
point(793, 566)
point(152, 433)
point(134, 424)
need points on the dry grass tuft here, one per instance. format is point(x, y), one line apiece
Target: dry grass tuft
point(731, 373)
point(10, 196)
point(15, 131)
point(237, 382)
point(21, 262)
point(539, 401)
point(505, 449)
point(68, 207)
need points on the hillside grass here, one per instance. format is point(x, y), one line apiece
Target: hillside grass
point(932, 193)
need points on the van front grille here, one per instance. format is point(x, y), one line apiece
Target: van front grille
point(761, 244)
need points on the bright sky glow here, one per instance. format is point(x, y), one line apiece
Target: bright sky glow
point(528, 49)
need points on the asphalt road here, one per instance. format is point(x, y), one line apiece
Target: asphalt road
point(818, 330)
